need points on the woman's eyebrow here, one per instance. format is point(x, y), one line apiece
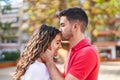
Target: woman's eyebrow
point(59, 40)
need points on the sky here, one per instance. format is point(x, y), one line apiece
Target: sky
point(12, 2)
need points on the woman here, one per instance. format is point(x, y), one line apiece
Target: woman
point(30, 65)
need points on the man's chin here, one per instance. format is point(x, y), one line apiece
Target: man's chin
point(64, 41)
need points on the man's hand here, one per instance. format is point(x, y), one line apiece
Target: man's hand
point(55, 74)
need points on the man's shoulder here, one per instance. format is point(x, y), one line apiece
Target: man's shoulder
point(88, 50)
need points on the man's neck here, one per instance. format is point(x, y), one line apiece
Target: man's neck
point(75, 40)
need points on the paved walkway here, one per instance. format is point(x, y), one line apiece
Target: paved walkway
point(6, 73)
point(108, 71)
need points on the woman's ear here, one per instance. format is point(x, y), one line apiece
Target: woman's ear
point(49, 47)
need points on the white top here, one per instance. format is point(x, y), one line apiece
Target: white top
point(36, 71)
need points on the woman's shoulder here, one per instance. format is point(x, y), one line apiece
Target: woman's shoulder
point(36, 71)
point(39, 66)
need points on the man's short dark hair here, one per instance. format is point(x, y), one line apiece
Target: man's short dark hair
point(74, 14)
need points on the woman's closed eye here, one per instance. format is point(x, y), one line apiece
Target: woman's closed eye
point(59, 42)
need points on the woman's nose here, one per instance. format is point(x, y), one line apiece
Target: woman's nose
point(60, 46)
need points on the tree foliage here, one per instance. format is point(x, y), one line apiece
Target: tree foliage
point(45, 11)
point(101, 13)
point(5, 26)
point(102, 16)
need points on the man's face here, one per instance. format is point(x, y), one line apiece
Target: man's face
point(65, 28)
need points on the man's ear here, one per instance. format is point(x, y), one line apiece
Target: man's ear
point(75, 27)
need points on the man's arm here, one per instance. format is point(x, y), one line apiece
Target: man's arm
point(55, 74)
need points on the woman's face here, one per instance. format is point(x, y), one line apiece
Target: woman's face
point(56, 44)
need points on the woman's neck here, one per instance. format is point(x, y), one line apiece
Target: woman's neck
point(39, 60)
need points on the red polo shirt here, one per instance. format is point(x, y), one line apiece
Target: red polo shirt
point(83, 61)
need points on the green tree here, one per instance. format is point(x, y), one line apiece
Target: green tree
point(101, 13)
point(45, 11)
point(4, 26)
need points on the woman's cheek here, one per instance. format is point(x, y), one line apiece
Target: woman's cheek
point(53, 49)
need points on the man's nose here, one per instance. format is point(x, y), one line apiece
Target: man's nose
point(60, 29)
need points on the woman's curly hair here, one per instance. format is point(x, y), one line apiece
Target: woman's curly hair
point(38, 43)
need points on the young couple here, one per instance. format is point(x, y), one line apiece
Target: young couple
point(36, 61)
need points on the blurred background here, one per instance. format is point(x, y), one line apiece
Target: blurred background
point(19, 19)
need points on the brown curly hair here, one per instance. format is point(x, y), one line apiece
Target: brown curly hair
point(38, 43)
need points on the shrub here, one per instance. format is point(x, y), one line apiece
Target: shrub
point(11, 56)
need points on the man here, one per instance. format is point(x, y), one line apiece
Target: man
point(83, 59)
